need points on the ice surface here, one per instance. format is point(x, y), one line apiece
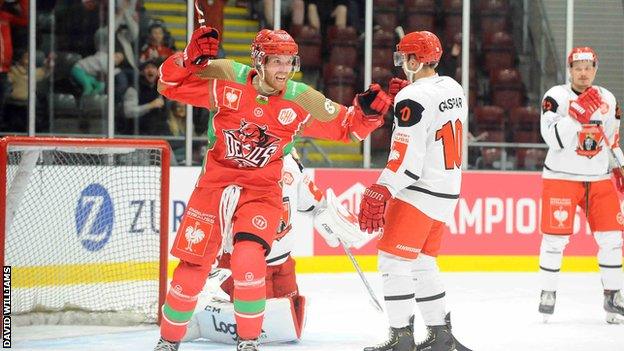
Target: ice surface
point(491, 311)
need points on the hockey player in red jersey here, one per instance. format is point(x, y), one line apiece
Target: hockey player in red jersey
point(416, 193)
point(284, 319)
point(237, 202)
point(580, 123)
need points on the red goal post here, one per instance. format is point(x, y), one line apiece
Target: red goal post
point(84, 227)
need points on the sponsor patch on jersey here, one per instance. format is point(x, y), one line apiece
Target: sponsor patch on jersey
point(258, 112)
point(259, 222)
point(549, 104)
point(232, 97)
point(604, 108)
point(288, 178)
point(561, 213)
point(408, 112)
point(329, 106)
point(397, 154)
point(286, 116)
point(589, 140)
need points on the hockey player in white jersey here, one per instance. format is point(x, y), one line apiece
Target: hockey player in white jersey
point(580, 123)
point(416, 194)
point(285, 307)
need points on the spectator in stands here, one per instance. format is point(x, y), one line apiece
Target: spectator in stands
point(448, 65)
point(147, 104)
point(7, 19)
point(323, 12)
point(292, 9)
point(127, 30)
point(176, 118)
point(176, 121)
point(76, 25)
point(155, 46)
point(87, 70)
point(17, 103)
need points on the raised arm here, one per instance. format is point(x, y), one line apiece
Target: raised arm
point(333, 121)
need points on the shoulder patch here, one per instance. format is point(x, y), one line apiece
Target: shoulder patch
point(408, 112)
point(240, 72)
point(294, 89)
point(549, 104)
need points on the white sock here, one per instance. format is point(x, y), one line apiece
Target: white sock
point(398, 288)
point(551, 254)
point(610, 259)
point(430, 294)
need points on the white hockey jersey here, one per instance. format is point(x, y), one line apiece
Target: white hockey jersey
point(424, 165)
point(575, 151)
point(299, 194)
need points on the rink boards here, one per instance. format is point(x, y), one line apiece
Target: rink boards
point(495, 226)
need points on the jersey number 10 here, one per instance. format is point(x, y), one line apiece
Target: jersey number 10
point(452, 143)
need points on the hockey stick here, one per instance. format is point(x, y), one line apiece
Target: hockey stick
point(371, 293)
point(200, 14)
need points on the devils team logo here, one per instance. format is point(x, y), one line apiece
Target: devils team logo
point(589, 139)
point(250, 145)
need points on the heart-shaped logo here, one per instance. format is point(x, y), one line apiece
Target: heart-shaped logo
point(231, 97)
point(560, 215)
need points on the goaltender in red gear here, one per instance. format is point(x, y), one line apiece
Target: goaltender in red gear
point(237, 203)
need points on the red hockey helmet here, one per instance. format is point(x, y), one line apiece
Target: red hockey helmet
point(424, 45)
point(582, 53)
point(274, 42)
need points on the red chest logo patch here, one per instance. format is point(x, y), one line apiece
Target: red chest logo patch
point(232, 97)
point(589, 139)
point(250, 145)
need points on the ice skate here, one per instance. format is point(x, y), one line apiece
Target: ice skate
point(439, 338)
point(165, 345)
point(614, 306)
point(400, 339)
point(458, 345)
point(247, 345)
point(547, 304)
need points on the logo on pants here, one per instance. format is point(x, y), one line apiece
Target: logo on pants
point(561, 210)
point(259, 222)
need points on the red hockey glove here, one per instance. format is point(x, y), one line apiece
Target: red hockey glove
point(619, 179)
point(372, 208)
point(395, 85)
point(585, 105)
point(361, 126)
point(373, 102)
point(202, 47)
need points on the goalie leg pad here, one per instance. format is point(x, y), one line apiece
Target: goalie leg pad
point(214, 320)
point(430, 294)
point(551, 253)
point(610, 258)
point(283, 279)
point(398, 288)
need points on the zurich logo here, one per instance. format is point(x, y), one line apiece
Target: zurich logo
point(94, 217)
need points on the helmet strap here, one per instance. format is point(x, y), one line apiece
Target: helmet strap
point(411, 75)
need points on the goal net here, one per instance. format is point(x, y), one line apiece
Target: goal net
point(84, 229)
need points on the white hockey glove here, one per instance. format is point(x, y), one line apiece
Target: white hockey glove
point(336, 223)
